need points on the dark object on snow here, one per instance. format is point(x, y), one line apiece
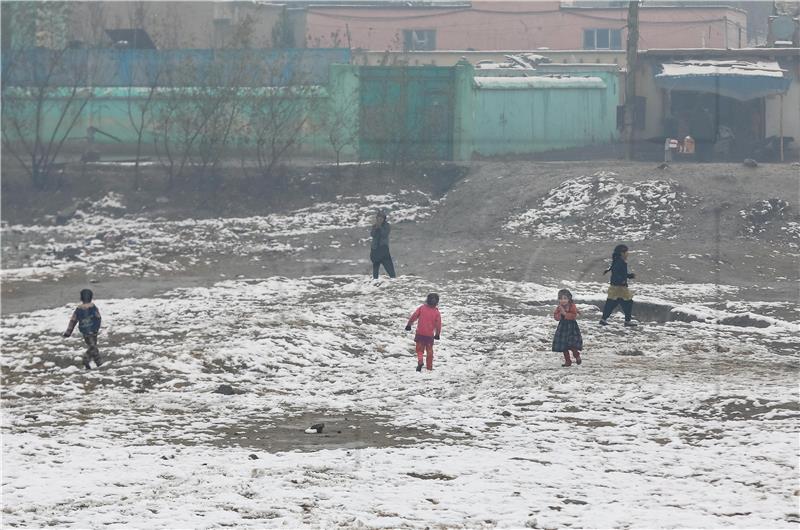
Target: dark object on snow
point(68, 254)
point(318, 427)
point(253, 456)
point(662, 165)
point(506, 413)
point(630, 353)
point(749, 162)
point(226, 390)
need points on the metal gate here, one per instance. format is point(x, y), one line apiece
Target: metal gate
point(406, 113)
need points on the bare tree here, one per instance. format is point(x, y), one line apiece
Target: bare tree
point(279, 114)
point(197, 116)
point(340, 122)
point(141, 97)
point(40, 111)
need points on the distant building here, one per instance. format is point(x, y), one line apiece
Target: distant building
point(376, 25)
point(166, 25)
point(747, 96)
point(515, 25)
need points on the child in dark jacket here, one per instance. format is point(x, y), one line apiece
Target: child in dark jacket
point(618, 292)
point(87, 317)
point(428, 329)
point(568, 334)
point(379, 247)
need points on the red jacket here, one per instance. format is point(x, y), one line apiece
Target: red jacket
point(572, 312)
point(430, 321)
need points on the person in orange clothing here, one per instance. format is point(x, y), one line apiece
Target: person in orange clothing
point(568, 334)
point(428, 329)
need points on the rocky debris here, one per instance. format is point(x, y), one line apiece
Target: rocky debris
point(430, 476)
point(762, 214)
point(630, 353)
point(67, 254)
point(315, 429)
point(225, 390)
point(252, 456)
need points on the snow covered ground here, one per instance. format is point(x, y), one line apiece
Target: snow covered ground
point(105, 240)
point(675, 424)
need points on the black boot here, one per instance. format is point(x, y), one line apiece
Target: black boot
point(627, 307)
point(419, 367)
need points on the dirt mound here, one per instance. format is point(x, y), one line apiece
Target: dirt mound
point(600, 207)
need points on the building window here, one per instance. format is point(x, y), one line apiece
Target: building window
point(602, 39)
point(419, 39)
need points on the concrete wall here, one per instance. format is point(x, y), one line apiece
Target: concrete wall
point(789, 108)
point(508, 25)
point(451, 57)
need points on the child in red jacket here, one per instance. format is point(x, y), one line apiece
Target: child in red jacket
point(428, 329)
point(568, 334)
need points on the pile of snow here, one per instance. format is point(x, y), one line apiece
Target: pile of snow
point(599, 207)
point(100, 241)
point(112, 201)
point(146, 439)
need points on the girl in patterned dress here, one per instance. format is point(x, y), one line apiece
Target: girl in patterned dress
point(568, 335)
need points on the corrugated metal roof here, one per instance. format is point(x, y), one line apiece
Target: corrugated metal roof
point(711, 67)
point(538, 82)
point(742, 80)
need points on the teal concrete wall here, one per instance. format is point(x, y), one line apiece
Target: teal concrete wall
point(508, 118)
point(523, 120)
point(463, 113)
point(327, 108)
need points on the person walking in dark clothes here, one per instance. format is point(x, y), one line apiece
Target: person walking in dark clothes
point(568, 335)
point(379, 250)
point(618, 292)
point(87, 317)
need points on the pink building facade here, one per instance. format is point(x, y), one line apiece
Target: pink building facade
point(526, 25)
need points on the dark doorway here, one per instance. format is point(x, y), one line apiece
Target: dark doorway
point(735, 128)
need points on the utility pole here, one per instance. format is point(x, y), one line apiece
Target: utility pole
point(632, 50)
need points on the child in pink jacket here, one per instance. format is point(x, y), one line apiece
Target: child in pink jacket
point(428, 328)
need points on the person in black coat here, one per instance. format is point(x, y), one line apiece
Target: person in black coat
point(379, 249)
point(618, 292)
